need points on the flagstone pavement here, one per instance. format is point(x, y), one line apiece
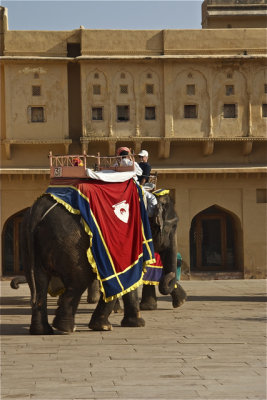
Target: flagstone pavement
point(213, 347)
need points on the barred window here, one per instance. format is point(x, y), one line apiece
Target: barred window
point(229, 90)
point(264, 110)
point(229, 75)
point(190, 90)
point(96, 89)
point(124, 89)
point(190, 111)
point(149, 89)
point(37, 114)
point(36, 75)
point(36, 90)
point(150, 113)
point(97, 113)
point(123, 113)
point(96, 76)
point(230, 111)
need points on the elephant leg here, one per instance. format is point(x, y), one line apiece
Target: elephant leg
point(117, 307)
point(132, 315)
point(93, 292)
point(39, 320)
point(179, 296)
point(149, 298)
point(99, 320)
point(67, 306)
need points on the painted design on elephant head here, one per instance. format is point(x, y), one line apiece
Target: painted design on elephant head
point(121, 211)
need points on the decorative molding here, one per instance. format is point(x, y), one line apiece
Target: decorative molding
point(8, 143)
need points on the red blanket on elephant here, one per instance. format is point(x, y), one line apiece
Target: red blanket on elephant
point(115, 218)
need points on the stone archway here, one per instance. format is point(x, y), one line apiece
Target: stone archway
point(11, 259)
point(216, 241)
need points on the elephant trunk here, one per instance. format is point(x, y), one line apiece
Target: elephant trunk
point(167, 283)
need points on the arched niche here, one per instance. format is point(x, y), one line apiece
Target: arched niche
point(229, 99)
point(190, 91)
point(216, 241)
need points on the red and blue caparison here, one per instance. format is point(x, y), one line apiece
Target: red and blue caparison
point(115, 218)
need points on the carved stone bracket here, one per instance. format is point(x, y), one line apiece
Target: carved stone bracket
point(208, 148)
point(247, 147)
point(164, 148)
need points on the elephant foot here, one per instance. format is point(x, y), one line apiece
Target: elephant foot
point(133, 322)
point(100, 324)
point(148, 305)
point(38, 329)
point(179, 296)
point(118, 308)
point(64, 325)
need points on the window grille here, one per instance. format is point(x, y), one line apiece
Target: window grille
point(97, 113)
point(264, 110)
point(149, 89)
point(36, 90)
point(190, 90)
point(96, 89)
point(230, 110)
point(229, 75)
point(122, 75)
point(36, 75)
point(190, 111)
point(124, 89)
point(229, 90)
point(96, 76)
point(150, 113)
point(37, 114)
point(123, 113)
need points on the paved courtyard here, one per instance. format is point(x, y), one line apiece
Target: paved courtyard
point(213, 347)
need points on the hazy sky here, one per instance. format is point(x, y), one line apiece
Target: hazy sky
point(138, 14)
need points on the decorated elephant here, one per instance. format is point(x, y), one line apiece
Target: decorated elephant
point(54, 243)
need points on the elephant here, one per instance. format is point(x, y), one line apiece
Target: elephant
point(54, 243)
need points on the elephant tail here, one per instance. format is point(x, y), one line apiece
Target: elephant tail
point(17, 281)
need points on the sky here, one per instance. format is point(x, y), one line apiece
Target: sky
point(108, 14)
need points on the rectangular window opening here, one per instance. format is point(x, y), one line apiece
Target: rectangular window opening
point(124, 89)
point(229, 90)
point(261, 195)
point(96, 89)
point(97, 113)
point(123, 113)
point(37, 114)
point(36, 90)
point(230, 110)
point(190, 111)
point(149, 89)
point(150, 113)
point(190, 90)
point(264, 110)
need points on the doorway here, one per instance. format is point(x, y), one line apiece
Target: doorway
point(214, 241)
point(11, 261)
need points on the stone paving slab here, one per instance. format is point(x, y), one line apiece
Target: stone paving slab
point(213, 347)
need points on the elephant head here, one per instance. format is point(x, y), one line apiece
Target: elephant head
point(163, 225)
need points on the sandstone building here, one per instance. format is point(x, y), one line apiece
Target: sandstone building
point(195, 99)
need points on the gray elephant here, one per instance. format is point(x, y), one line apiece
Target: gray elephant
point(54, 243)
